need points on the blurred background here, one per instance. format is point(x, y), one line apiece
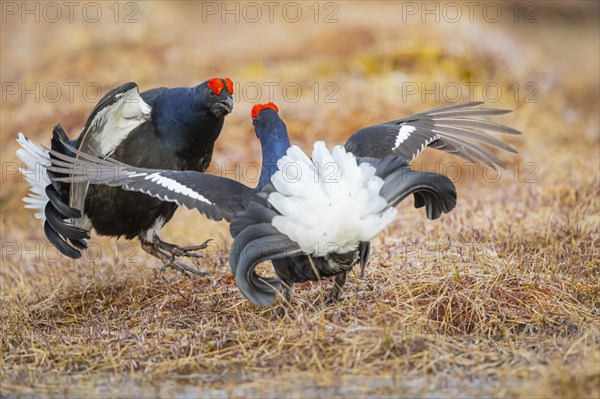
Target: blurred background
point(332, 67)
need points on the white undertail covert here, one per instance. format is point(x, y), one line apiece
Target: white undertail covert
point(330, 203)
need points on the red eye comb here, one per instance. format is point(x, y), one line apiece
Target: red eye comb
point(259, 107)
point(229, 84)
point(216, 85)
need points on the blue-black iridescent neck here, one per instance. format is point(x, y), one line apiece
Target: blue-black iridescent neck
point(274, 140)
point(180, 114)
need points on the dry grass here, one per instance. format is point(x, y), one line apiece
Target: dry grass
point(499, 298)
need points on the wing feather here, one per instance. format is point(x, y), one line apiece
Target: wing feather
point(118, 113)
point(452, 129)
point(214, 196)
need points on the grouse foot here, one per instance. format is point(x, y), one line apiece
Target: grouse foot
point(167, 253)
point(336, 290)
point(287, 293)
point(187, 251)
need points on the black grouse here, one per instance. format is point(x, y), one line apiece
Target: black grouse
point(313, 218)
point(162, 128)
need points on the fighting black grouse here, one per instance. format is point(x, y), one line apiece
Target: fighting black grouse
point(314, 218)
point(162, 128)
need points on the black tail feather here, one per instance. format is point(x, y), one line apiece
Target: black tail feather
point(364, 250)
point(249, 233)
point(434, 191)
point(261, 290)
point(256, 241)
point(60, 244)
point(58, 202)
point(80, 244)
point(56, 143)
point(257, 211)
point(58, 232)
point(57, 222)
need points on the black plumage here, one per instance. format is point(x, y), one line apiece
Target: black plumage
point(387, 148)
point(257, 240)
point(161, 128)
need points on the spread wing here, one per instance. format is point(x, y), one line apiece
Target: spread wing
point(257, 239)
point(456, 129)
point(118, 113)
point(214, 196)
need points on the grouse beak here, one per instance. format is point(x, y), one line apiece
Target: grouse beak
point(222, 108)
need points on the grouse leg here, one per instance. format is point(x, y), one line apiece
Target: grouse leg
point(336, 290)
point(287, 292)
point(176, 250)
point(168, 259)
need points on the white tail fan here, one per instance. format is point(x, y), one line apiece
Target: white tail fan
point(330, 203)
point(36, 160)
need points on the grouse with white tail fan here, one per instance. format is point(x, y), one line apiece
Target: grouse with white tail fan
point(161, 128)
point(313, 218)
